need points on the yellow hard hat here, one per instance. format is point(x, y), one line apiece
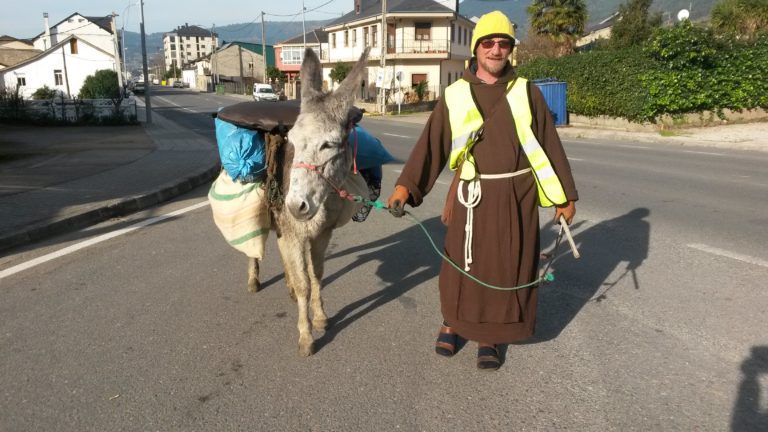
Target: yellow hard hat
point(492, 23)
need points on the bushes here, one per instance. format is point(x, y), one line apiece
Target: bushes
point(681, 69)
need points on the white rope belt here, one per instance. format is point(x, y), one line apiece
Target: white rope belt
point(474, 194)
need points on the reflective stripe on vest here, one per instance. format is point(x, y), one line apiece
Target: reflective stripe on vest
point(465, 120)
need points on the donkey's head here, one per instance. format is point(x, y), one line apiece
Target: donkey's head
point(322, 157)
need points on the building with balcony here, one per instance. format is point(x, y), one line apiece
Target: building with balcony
point(187, 44)
point(420, 40)
point(290, 53)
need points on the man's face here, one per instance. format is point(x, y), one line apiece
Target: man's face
point(492, 54)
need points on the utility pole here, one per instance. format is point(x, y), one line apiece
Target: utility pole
point(117, 55)
point(263, 49)
point(303, 29)
point(147, 87)
point(214, 69)
point(383, 61)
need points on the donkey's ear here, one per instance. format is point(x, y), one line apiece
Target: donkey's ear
point(311, 75)
point(345, 94)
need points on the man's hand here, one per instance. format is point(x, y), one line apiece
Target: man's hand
point(396, 201)
point(567, 210)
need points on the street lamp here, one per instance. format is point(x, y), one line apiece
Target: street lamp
point(122, 37)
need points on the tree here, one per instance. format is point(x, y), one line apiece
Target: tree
point(275, 75)
point(743, 18)
point(635, 24)
point(101, 85)
point(562, 20)
point(340, 71)
point(44, 92)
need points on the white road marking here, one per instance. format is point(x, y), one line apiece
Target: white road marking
point(703, 153)
point(632, 147)
point(728, 254)
point(174, 104)
point(394, 135)
point(575, 159)
point(90, 242)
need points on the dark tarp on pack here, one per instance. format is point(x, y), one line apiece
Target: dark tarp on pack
point(267, 116)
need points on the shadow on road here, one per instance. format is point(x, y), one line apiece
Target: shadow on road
point(604, 248)
point(404, 264)
point(750, 412)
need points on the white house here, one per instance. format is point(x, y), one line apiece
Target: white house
point(63, 66)
point(97, 31)
point(426, 40)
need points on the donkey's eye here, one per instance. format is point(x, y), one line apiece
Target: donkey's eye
point(327, 145)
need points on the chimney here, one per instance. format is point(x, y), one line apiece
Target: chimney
point(358, 6)
point(47, 37)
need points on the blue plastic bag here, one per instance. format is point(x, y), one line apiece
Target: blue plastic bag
point(241, 150)
point(370, 152)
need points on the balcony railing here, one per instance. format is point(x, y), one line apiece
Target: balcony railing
point(421, 46)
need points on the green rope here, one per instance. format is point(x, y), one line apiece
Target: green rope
point(546, 277)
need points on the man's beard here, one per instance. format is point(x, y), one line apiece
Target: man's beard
point(492, 68)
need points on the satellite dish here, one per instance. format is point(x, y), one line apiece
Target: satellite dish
point(683, 15)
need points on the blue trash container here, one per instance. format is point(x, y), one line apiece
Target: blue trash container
point(554, 92)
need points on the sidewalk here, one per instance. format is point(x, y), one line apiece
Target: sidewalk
point(745, 136)
point(60, 179)
point(55, 180)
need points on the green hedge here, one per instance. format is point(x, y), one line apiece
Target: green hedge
point(683, 69)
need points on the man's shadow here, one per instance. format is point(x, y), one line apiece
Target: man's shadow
point(406, 259)
point(750, 412)
point(615, 243)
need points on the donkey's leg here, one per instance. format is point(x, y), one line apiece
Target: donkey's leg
point(316, 260)
point(296, 266)
point(253, 275)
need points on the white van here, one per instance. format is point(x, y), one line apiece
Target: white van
point(264, 92)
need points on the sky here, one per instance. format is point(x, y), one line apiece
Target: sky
point(26, 19)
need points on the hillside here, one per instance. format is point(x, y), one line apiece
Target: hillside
point(597, 10)
point(274, 32)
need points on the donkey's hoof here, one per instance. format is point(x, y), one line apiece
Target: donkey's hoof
point(307, 350)
point(320, 324)
point(254, 286)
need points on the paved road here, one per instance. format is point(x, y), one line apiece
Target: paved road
point(660, 326)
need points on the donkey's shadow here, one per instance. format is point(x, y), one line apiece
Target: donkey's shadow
point(404, 262)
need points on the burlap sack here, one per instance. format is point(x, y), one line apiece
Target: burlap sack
point(240, 212)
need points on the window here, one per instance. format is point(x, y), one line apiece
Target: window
point(189, 45)
point(366, 39)
point(173, 38)
point(465, 37)
point(354, 37)
point(73, 46)
point(453, 31)
point(333, 40)
point(346, 38)
point(417, 78)
point(375, 35)
point(58, 78)
point(173, 47)
point(21, 80)
point(423, 30)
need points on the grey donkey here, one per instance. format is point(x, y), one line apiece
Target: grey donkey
point(321, 167)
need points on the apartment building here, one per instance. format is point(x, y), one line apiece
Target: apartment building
point(186, 44)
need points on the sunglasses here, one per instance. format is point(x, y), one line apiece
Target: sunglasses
point(489, 43)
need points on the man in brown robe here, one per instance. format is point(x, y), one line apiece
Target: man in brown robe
point(506, 220)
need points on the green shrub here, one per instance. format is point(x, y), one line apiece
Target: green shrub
point(43, 93)
point(682, 69)
point(101, 85)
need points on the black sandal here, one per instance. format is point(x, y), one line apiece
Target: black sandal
point(446, 341)
point(488, 357)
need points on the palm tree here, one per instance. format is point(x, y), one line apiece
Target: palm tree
point(561, 20)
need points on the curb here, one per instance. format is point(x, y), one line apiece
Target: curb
point(109, 210)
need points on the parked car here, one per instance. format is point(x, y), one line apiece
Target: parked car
point(138, 87)
point(178, 84)
point(264, 92)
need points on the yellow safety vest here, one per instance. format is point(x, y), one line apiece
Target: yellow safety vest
point(465, 120)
